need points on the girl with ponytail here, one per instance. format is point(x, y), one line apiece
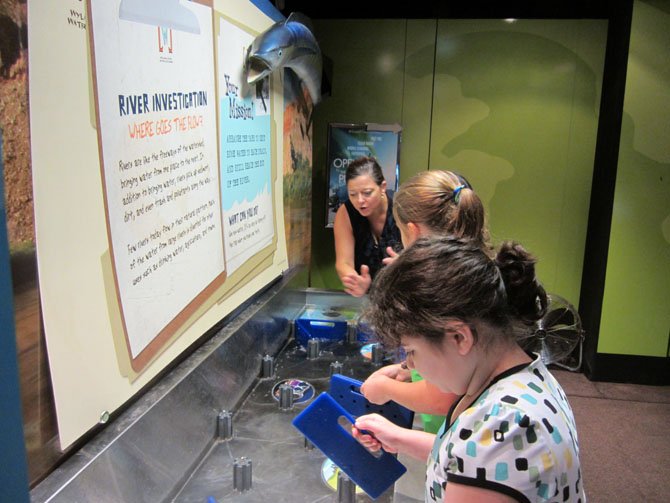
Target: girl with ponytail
point(431, 203)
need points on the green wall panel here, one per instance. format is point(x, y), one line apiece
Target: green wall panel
point(417, 97)
point(514, 107)
point(635, 317)
point(511, 106)
point(515, 111)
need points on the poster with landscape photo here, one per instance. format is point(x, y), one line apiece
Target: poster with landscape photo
point(347, 142)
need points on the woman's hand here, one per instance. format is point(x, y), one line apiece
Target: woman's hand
point(392, 255)
point(356, 284)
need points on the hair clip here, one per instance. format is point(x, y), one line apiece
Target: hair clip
point(456, 194)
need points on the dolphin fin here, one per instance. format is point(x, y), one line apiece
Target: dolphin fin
point(298, 17)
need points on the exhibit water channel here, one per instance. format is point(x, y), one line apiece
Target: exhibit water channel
point(218, 427)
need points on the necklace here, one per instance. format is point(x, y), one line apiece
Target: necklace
point(381, 223)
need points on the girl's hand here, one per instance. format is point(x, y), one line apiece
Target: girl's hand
point(376, 432)
point(395, 371)
point(376, 389)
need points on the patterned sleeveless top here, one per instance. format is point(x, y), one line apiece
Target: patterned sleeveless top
point(518, 438)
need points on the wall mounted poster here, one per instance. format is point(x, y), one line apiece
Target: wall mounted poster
point(156, 110)
point(347, 142)
point(246, 132)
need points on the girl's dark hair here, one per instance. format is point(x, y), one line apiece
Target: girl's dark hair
point(365, 166)
point(443, 278)
point(430, 198)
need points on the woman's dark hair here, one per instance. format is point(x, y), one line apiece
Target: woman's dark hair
point(365, 166)
point(443, 278)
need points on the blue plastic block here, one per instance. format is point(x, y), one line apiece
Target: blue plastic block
point(319, 422)
point(332, 331)
point(347, 392)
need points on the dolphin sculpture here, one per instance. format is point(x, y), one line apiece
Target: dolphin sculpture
point(286, 44)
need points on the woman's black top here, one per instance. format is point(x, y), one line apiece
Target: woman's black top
point(366, 250)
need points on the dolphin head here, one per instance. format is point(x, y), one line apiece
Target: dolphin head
point(286, 44)
point(269, 51)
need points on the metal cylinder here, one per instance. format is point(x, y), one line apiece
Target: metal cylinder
point(285, 397)
point(346, 489)
point(336, 367)
point(242, 474)
point(268, 366)
point(377, 354)
point(313, 348)
point(224, 425)
point(352, 333)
